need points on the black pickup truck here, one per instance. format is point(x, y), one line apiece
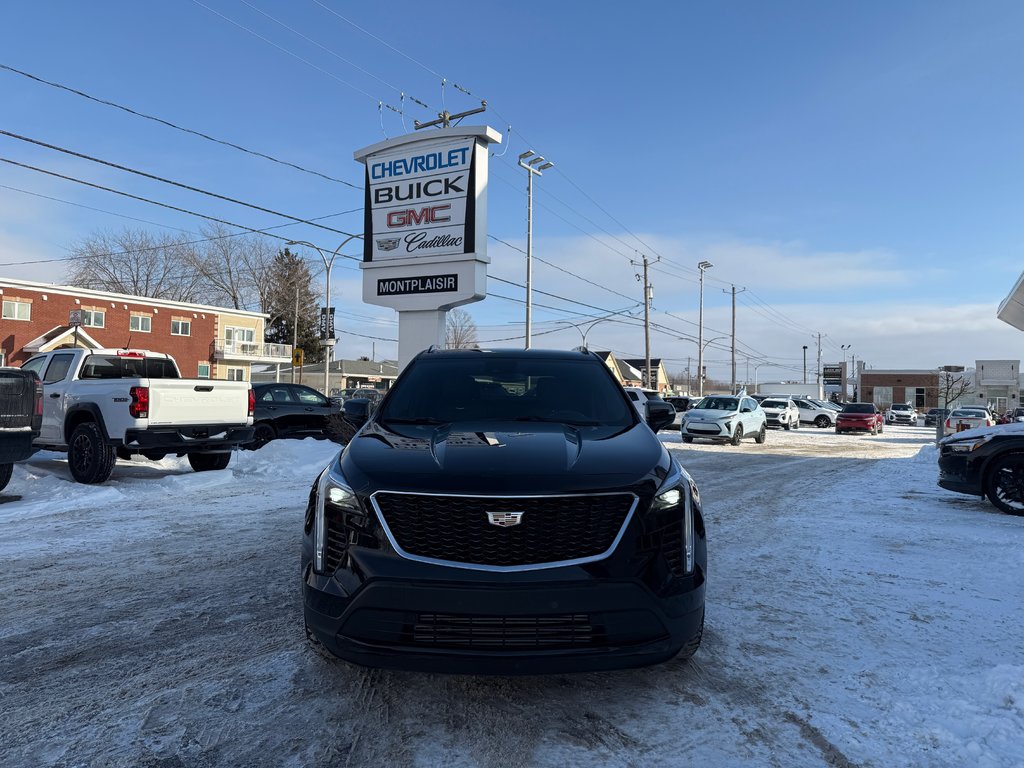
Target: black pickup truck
point(21, 415)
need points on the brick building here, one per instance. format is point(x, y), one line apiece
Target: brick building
point(920, 388)
point(206, 341)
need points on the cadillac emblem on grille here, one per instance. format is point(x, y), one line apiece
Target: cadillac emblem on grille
point(504, 519)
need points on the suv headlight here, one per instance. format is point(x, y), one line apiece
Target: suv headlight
point(332, 491)
point(677, 491)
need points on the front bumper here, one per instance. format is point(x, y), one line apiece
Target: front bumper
point(855, 426)
point(193, 438)
point(776, 420)
point(709, 429)
point(511, 624)
point(961, 472)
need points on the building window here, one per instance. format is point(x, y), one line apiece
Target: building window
point(181, 328)
point(919, 397)
point(93, 318)
point(17, 310)
point(236, 374)
point(141, 323)
point(204, 371)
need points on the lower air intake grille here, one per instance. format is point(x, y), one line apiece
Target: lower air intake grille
point(511, 633)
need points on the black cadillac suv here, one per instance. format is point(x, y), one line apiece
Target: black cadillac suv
point(505, 512)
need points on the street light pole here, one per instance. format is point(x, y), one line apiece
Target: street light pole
point(700, 330)
point(533, 168)
point(846, 378)
point(328, 264)
point(805, 364)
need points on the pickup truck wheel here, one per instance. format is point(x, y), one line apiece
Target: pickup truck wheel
point(262, 434)
point(1005, 486)
point(206, 462)
point(737, 435)
point(90, 459)
point(822, 422)
point(6, 470)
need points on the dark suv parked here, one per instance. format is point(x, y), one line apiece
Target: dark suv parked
point(505, 512)
point(289, 410)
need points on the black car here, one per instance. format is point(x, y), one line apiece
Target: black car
point(21, 416)
point(289, 410)
point(985, 462)
point(934, 415)
point(505, 512)
point(679, 403)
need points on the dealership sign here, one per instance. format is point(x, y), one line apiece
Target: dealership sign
point(425, 228)
point(421, 199)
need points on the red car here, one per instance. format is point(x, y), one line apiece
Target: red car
point(860, 416)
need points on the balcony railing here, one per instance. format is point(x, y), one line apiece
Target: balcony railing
point(252, 352)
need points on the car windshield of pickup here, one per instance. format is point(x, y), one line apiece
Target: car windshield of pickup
point(491, 388)
point(122, 367)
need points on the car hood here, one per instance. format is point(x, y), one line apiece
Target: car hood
point(1016, 428)
point(507, 457)
point(705, 414)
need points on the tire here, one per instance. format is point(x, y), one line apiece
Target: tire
point(822, 422)
point(687, 439)
point(262, 434)
point(796, 424)
point(881, 428)
point(693, 644)
point(874, 430)
point(1005, 484)
point(207, 462)
point(6, 470)
point(90, 459)
point(737, 434)
point(787, 426)
point(761, 436)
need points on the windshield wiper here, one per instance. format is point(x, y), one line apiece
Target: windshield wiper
point(570, 422)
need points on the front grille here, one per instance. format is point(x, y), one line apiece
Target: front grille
point(507, 633)
point(668, 540)
point(552, 528)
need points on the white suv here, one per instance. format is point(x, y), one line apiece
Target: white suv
point(818, 414)
point(781, 412)
point(724, 417)
point(901, 413)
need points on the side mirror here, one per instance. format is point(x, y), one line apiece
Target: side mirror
point(357, 411)
point(746, 409)
point(659, 415)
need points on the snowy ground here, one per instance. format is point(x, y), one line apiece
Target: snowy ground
point(857, 616)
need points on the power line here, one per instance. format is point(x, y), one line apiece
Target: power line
point(151, 202)
point(162, 180)
point(175, 126)
point(335, 55)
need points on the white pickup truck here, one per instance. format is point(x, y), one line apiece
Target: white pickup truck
point(103, 404)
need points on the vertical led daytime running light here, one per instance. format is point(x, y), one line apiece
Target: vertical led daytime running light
point(320, 523)
point(688, 533)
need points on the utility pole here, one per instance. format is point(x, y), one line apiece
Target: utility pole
point(805, 363)
point(533, 168)
point(688, 391)
point(818, 375)
point(295, 335)
point(648, 296)
point(700, 329)
point(734, 292)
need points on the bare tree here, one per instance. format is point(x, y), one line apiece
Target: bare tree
point(953, 386)
point(235, 268)
point(138, 263)
point(459, 330)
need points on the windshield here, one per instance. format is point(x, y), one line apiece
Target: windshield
point(774, 404)
point(900, 407)
point(858, 408)
point(718, 404)
point(485, 387)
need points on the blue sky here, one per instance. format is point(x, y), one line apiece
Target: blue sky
point(856, 167)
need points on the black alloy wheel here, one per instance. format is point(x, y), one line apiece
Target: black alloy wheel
point(90, 459)
point(1005, 486)
point(737, 434)
point(262, 434)
point(761, 436)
